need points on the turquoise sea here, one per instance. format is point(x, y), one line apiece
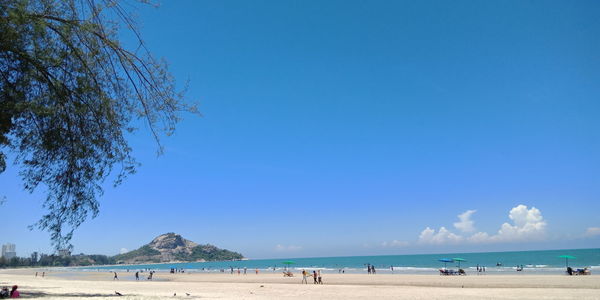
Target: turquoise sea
point(544, 262)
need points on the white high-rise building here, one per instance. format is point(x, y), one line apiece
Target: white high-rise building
point(8, 251)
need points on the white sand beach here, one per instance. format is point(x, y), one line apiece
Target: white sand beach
point(61, 284)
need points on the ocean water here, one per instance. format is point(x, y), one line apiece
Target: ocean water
point(538, 262)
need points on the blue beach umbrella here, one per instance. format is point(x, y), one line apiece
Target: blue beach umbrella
point(445, 261)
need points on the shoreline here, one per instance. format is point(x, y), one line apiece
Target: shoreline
point(470, 271)
point(60, 284)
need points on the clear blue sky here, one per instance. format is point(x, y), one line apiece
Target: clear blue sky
point(358, 127)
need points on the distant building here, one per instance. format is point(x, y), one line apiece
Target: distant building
point(64, 252)
point(8, 251)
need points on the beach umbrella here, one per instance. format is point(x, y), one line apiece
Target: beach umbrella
point(567, 257)
point(458, 259)
point(445, 261)
point(287, 263)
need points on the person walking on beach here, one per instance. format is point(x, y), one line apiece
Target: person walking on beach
point(320, 281)
point(116, 277)
point(137, 275)
point(304, 275)
point(245, 269)
point(314, 277)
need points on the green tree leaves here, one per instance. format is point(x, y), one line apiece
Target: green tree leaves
point(68, 93)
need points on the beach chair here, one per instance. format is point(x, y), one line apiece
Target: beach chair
point(584, 271)
point(288, 274)
point(446, 272)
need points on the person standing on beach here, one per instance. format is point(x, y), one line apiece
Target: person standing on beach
point(245, 269)
point(314, 277)
point(304, 277)
point(137, 275)
point(320, 281)
point(116, 277)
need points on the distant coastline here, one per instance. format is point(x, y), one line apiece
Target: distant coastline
point(533, 262)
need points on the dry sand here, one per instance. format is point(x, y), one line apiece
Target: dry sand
point(99, 285)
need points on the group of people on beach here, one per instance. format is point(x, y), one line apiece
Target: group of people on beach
point(480, 269)
point(371, 269)
point(137, 275)
point(520, 268)
point(240, 271)
point(14, 293)
point(316, 275)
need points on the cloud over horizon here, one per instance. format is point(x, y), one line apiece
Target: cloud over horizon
point(395, 243)
point(466, 224)
point(289, 248)
point(592, 232)
point(527, 224)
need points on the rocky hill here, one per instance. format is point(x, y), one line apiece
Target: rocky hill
point(172, 247)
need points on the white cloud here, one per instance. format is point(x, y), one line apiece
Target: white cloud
point(592, 231)
point(465, 224)
point(528, 224)
point(123, 250)
point(443, 236)
point(395, 243)
point(290, 248)
point(479, 237)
